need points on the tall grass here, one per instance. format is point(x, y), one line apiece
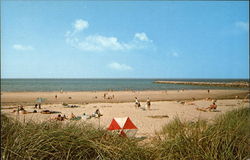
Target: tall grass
point(226, 138)
point(70, 141)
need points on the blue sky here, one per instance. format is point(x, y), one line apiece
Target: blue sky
point(162, 39)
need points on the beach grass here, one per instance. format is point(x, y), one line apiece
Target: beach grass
point(227, 137)
point(69, 141)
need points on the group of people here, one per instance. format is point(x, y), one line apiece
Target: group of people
point(38, 105)
point(59, 117)
point(138, 104)
point(105, 96)
point(20, 108)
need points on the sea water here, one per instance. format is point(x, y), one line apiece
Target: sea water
point(21, 85)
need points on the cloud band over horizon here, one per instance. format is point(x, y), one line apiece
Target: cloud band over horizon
point(97, 43)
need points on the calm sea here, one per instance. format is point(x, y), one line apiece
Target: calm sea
point(102, 84)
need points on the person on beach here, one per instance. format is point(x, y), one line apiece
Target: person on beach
point(55, 96)
point(61, 91)
point(137, 103)
point(97, 113)
point(59, 117)
point(21, 108)
point(148, 104)
point(36, 106)
point(208, 91)
point(40, 106)
point(212, 107)
point(214, 100)
point(72, 116)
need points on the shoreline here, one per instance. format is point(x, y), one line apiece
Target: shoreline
point(130, 90)
point(85, 97)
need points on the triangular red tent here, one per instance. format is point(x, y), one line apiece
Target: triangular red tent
point(129, 125)
point(114, 125)
point(124, 125)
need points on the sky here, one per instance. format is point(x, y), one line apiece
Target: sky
point(126, 39)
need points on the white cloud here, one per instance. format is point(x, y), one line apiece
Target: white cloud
point(141, 36)
point(120, 67)
point(81, 24)
point(22, 47)
point(242, 25)
point(104, 43)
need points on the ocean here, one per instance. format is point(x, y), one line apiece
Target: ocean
point(21, 85)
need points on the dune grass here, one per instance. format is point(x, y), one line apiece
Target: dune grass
point(228, 137)
point(225, 138)
point(68, 141)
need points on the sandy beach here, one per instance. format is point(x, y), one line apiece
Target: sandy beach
point(29, 98)
point(164, 103)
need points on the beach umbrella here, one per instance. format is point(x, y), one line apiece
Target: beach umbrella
point(124, 126)
point(40, 100)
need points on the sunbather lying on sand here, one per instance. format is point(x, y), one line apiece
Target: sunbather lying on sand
point(72, 116)
point(85, 116)
point(49, 112)
point(59, 117)
point(212, 107)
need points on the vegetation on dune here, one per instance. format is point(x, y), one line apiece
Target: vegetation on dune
point(69, 141)
point(226, 138)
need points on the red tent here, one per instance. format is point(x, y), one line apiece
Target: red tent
point(124, 126)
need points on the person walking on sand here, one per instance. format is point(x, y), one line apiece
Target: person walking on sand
point(148, 103)
point(137, 103)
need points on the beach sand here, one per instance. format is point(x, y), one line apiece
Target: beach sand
point(171, 103)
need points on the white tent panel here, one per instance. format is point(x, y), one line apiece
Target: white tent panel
point(121, 121)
